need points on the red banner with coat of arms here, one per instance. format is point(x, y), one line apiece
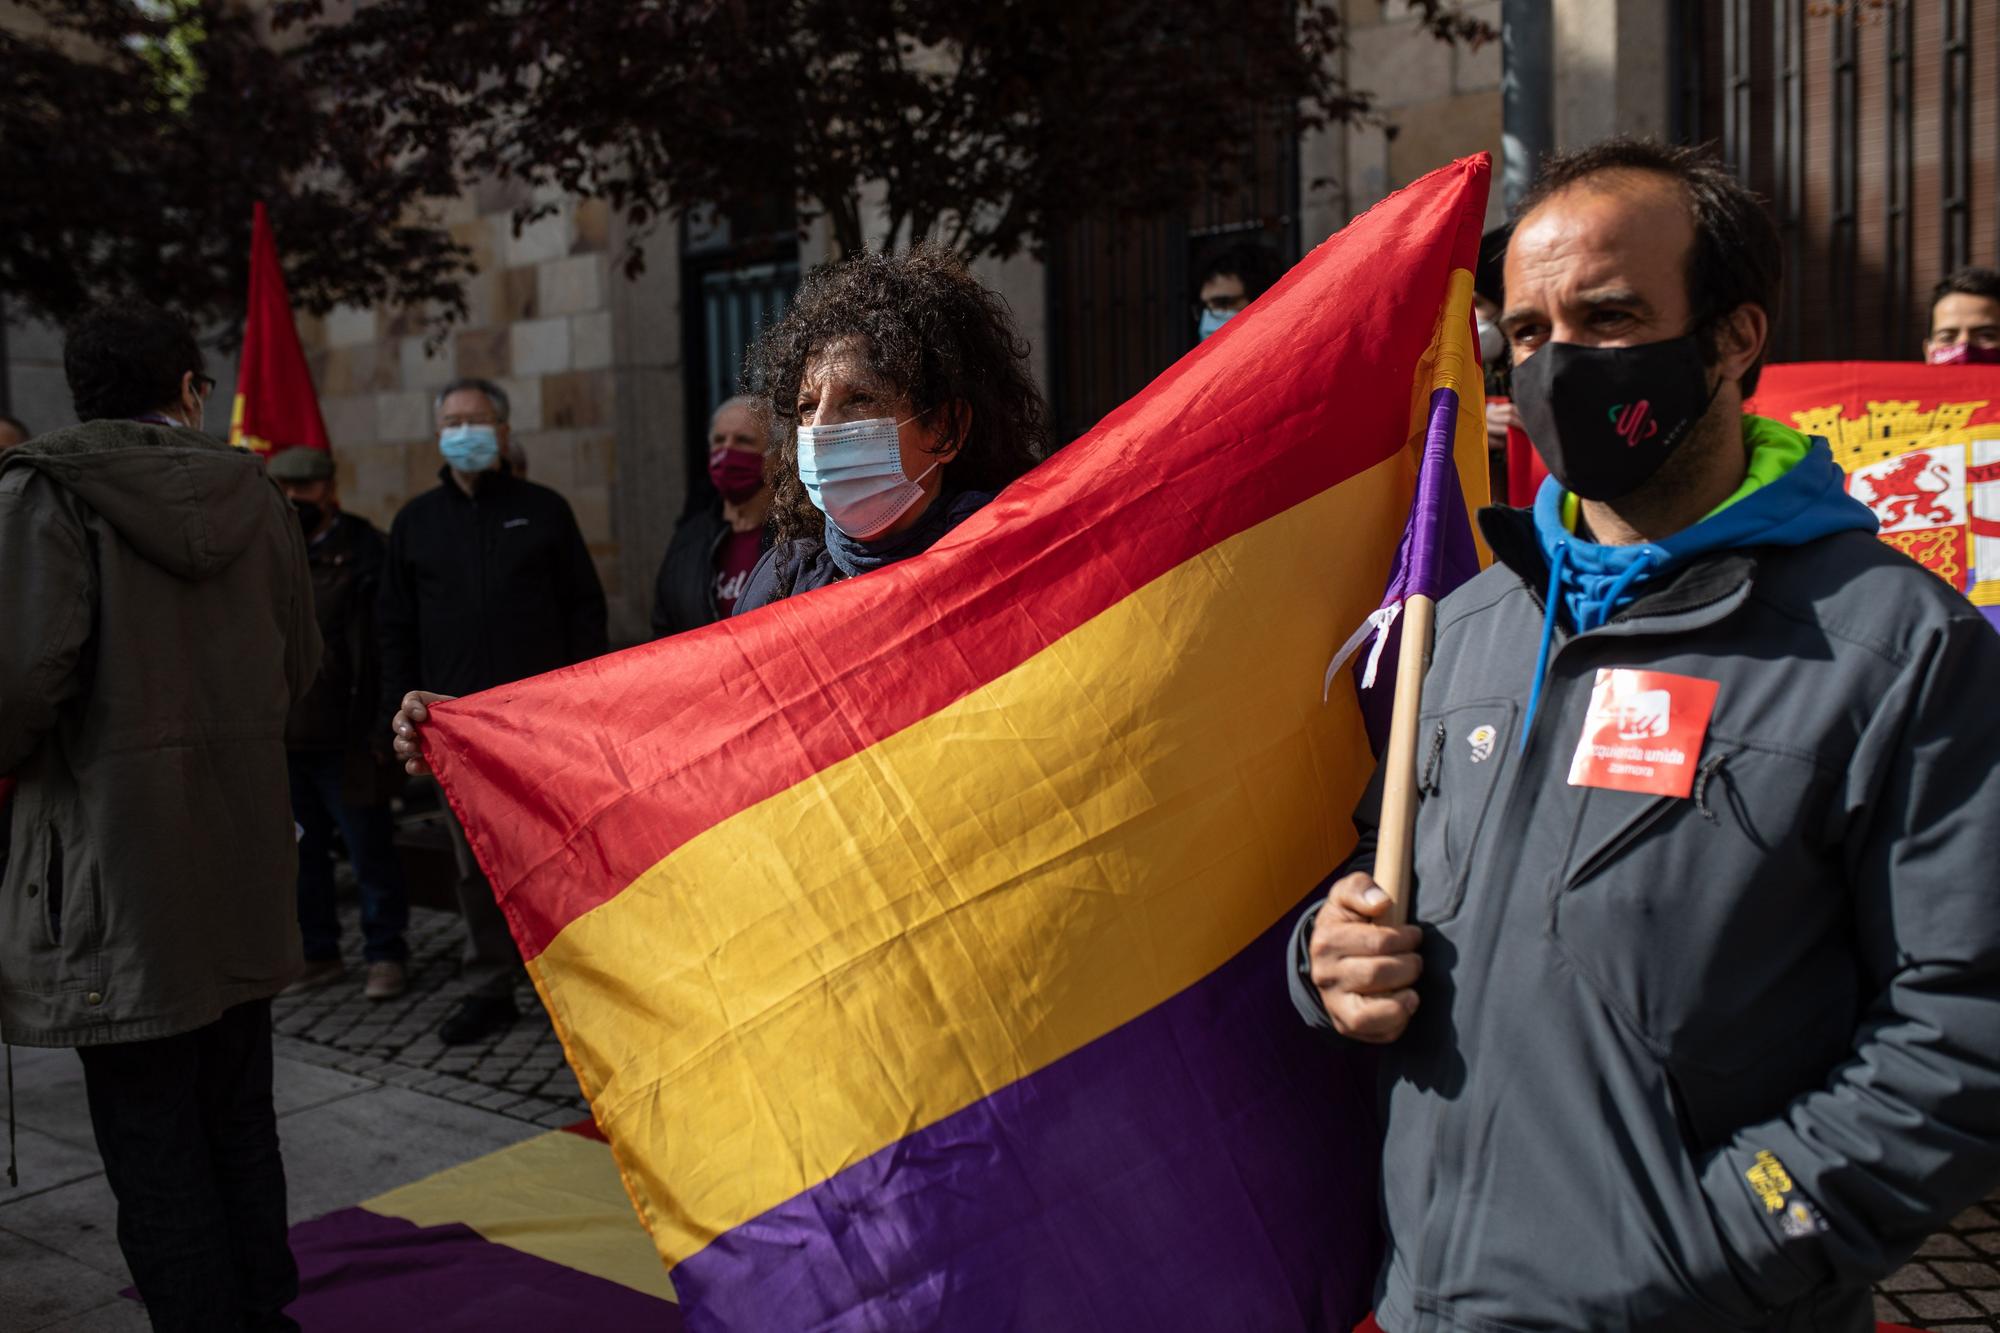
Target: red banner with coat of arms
point(1921, 447)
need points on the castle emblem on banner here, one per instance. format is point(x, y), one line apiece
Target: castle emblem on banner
point(1931, 473)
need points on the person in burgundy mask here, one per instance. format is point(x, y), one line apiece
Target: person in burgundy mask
point(1965, 319)
point(714, 548)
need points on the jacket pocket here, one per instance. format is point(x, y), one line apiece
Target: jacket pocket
point(1461, 752)
point(1709, 923)
point(1712, 1274)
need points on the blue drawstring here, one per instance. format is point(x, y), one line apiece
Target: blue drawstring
point(1588, 613)
point(1548, 635)
point(1601, 610)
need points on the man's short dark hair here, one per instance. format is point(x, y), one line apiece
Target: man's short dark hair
point(1252, 263)
point(1968, 281)
point(128, 359)
point(1735, 259)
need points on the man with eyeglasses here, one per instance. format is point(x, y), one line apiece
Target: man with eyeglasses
point(487, 581)
point(159, 626)
point(1232, 278)
point(1965, 319)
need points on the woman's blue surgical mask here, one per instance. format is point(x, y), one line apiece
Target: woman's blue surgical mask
point(853, 472)
point(469, 448)
point(1212, 320)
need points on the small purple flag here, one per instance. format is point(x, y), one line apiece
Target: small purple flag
point(1435, 555)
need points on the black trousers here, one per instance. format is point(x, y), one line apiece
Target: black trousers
point(189, 1139)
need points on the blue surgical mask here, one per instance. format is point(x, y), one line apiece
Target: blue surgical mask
point(469, 448)
point(1212, 320)
point(853, 472)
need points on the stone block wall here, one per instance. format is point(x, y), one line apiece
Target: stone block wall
point(1437, 103)
point(540, 325)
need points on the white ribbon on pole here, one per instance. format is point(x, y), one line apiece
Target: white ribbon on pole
point(1377, 624)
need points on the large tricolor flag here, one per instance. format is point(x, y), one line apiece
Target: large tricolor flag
point(275, 407)
point(919, 941)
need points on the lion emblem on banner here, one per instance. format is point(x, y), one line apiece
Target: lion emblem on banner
point(1931, 475)
point(1915, 488)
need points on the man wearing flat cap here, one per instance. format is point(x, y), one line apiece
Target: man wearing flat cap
point(342, 775)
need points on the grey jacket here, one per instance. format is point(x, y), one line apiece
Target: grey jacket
point(158, 624)
point(1704, 1063)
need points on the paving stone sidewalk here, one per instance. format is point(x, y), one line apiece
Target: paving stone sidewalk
point(1954, 1282)
point(1953, 1285)
point(519, 1072)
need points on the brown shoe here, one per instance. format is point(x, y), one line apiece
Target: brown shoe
point(318, 973)
point(385, 980)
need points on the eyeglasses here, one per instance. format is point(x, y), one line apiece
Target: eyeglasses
point(1221, 305)
point(204, 384)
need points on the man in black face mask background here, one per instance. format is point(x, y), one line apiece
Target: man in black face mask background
point(342, 774)
point(1697, 1022)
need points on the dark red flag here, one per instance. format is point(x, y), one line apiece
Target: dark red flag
point(276, 407)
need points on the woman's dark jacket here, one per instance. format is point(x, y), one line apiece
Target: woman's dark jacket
point(684, 589)
point(806, 563)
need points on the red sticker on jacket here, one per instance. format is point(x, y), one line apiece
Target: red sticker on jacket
point(1644, 732)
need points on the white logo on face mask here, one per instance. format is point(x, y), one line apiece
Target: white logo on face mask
point(853, 473)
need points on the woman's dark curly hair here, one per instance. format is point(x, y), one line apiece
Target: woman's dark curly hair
point(935, 334)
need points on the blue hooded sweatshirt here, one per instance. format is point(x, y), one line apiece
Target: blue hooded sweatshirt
point(1794, 493)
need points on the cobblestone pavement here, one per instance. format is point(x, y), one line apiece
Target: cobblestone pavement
point(520, 1072)
point(1954, 1282)
point(1952, 1286)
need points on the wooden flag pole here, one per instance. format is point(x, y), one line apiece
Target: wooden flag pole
point(1395, 847)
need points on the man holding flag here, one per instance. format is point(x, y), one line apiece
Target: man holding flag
point(1698, 1024)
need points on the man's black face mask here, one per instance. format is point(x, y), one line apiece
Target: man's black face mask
point(1605, 419)
point(310, 515)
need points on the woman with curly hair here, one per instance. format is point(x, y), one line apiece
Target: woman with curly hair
point(903, 401)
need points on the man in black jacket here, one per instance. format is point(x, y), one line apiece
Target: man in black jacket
point(1698, 1022)
point(336, 743)
point(488, 581)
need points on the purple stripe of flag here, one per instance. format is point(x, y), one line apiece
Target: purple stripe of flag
point(1435, 555)
point(1438, 540)
point(1208, 1165)
point(361, 1270)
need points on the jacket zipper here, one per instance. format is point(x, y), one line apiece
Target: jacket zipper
point(486, 598)
point(1501, 805)
point(53, 903)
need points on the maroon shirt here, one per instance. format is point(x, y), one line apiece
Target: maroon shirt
point(734, 560)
